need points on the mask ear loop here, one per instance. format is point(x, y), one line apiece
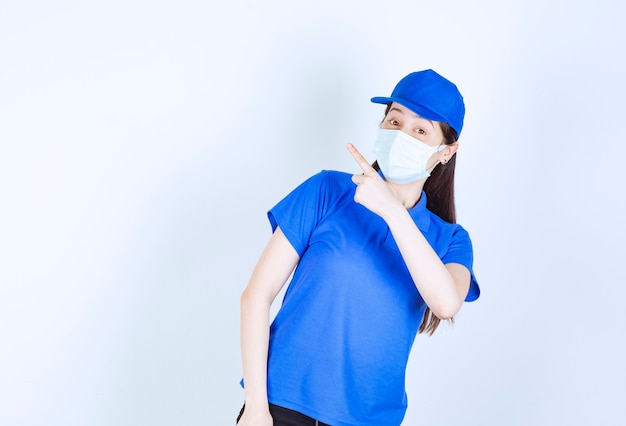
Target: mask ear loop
point(444, 162)
point(441, 148)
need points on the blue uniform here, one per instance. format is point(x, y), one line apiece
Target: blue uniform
point(340, 343)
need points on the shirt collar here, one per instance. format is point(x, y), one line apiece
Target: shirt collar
point(419, 212)
point(420, 215)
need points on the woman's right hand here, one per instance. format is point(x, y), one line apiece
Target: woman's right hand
point(255, 418)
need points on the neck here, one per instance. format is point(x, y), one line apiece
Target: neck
point(409, 194)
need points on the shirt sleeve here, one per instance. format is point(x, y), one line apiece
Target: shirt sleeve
point(300, 211)
point(460, 251)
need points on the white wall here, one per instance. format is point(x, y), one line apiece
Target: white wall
point(141, 144)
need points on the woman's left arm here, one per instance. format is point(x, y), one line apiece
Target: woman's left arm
point(443, 287)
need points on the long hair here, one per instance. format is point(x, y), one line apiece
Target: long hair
point(439, 189)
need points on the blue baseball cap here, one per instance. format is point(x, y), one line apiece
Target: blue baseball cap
point(430, 96)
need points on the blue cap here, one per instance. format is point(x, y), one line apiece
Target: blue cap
point(430, 96)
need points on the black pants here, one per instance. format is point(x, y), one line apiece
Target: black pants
point(286, 417)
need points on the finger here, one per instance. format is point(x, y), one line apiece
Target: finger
point(360, 160)
point(358, 179)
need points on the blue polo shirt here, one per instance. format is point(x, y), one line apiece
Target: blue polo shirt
point(340, 343)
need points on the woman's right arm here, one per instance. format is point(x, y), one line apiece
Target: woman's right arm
point(274, 267)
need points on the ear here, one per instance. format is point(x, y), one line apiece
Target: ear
point(447, 153)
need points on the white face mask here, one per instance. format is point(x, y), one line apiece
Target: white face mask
point(402, 158)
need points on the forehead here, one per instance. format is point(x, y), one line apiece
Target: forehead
point(407, 114)
point(401, 109)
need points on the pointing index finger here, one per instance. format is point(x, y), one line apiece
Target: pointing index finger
point(360, 160)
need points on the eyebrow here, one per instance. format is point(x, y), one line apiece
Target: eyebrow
point(415, 115)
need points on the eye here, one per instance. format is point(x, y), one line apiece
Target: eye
point(393, 122)
point(420, 131)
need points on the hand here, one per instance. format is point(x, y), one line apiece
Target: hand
point(372, 191)
point(251, 418)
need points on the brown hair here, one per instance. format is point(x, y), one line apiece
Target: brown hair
point(439, 189)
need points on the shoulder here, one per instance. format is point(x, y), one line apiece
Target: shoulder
point(331, 181)
point(322, 189)
point(448, 233)
point(334, 176)
point(444, 224)
point(456, 230)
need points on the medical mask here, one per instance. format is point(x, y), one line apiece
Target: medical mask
point(402, 158)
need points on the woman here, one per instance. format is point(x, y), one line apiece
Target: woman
point(377, 259)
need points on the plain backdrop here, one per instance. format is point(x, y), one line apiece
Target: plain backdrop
point(142, 142)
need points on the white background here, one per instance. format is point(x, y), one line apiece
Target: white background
point(141, 143)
